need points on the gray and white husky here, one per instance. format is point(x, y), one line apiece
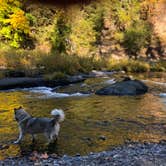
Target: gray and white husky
point(48, 126)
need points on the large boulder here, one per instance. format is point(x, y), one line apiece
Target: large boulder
point(125, 87)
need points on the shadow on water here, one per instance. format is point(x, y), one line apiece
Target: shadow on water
point(93, 123)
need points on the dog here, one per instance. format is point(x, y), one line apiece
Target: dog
point(32, 125)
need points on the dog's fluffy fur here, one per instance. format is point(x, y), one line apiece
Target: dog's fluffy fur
point(31, 125)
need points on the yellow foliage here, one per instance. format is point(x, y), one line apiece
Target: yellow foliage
point(19, 21)
point(11, 2)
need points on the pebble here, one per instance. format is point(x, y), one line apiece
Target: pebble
point(130, 154)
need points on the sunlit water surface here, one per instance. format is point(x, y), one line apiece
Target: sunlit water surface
point(93, 123)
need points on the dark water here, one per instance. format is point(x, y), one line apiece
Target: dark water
point(89, 119)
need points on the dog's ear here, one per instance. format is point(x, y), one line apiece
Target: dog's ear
point(20, 107)
point(15, 109)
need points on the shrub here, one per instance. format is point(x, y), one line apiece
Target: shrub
point(55, 76)
point(60, 62)
point(20, 59)
point(137, 66)
point(159, 66)
point(70, 64)
point(137, 37)
point(128, 65)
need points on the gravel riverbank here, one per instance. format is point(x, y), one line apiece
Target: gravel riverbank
point(135, 154)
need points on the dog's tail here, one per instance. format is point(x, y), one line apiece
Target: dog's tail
point(58, 115)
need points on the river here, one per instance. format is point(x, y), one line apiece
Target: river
point(93, 123)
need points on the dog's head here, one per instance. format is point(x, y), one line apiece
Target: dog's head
point(20, 114)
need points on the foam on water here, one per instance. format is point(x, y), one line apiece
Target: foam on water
point(162, 94)
point(111, 81)
point(47, 92)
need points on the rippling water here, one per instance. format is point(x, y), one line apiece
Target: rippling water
point(89, 118)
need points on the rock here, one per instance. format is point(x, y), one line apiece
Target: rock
point(125, 87)
point(26, 82)
point(12, 73)
point(102, 137)
point(87, 138)
point(75, 79)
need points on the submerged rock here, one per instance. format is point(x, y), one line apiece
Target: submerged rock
point(125, 87)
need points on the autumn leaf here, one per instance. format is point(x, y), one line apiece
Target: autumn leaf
point(44, 156)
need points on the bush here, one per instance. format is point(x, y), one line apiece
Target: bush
point(70, 64)
point(137, 66)
point(55, 76)
point(24, 60)
point(62, 62)
point(137, 37)
point(128, 65)
point(158, 66)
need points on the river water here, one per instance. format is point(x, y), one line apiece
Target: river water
point(93, 123)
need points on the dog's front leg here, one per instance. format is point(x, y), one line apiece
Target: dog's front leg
point(33, 137)
point(48, 137)
point(20, 137)
point(55, 138)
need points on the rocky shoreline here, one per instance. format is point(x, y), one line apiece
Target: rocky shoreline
point(126, 86)
point(136, 154)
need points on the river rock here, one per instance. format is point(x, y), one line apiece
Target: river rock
point(26, 82)
point(125, 87)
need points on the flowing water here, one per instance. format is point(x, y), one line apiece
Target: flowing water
point(93, 123)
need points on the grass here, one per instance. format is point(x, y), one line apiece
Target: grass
point(56, 66)
point(29, 61)
point(70, 64)
point(128, 65)
point(159, 66)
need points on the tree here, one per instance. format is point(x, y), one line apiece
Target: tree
point(14, 25)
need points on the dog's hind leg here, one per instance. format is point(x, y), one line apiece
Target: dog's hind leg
point(48, 137)
point(33, 137)
point(20, 137)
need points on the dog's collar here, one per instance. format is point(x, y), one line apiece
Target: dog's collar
point(25, 119)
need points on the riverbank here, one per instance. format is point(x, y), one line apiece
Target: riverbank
point(141, 154)
point(26, 82)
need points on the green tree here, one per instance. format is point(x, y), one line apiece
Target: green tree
point(61, 33)
point(137, 37)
